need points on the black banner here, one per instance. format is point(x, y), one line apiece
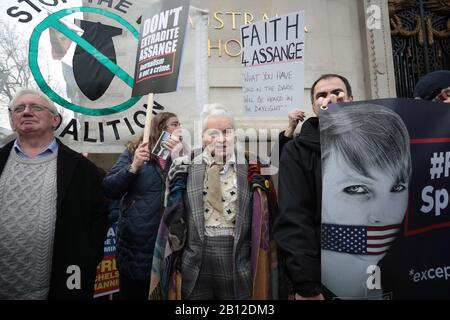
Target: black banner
point(158, 59)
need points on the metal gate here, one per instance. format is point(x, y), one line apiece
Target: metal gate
point(420, 31)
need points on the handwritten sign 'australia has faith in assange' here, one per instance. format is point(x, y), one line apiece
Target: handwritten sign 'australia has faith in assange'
point(160, 46)
point(273, 73)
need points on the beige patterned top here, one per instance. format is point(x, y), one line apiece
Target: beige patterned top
point(228, 179)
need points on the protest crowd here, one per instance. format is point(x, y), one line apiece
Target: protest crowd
point(210, 222)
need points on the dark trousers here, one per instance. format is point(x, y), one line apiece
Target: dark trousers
point(133, 289)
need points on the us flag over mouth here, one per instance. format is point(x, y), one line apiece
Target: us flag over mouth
point(364, 240)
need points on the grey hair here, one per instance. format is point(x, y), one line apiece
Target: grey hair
point(24, 91)
point(367, 135)
point(215, 110)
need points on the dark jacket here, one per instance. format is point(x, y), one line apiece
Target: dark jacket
point(282, 141)
point(297, 229)
point(140, 213)
point(80, 228)
point(278, 147)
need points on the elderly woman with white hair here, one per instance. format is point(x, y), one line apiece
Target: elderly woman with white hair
point(208, 262)
point(225, 243)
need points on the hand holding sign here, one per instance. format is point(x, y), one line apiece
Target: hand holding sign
point(172, 142)
point(294, 116)
point(141, 155)
point(177, 145)
point(323, 103)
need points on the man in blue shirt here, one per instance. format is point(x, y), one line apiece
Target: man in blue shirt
point(52, 214)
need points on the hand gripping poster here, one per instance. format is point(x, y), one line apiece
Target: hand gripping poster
point(385, 203)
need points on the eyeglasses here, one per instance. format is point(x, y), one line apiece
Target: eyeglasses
point(32, 107)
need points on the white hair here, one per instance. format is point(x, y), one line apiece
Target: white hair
point(215, 110)
point(24, 91)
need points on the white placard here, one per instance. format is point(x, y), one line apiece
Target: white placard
point(272, 57)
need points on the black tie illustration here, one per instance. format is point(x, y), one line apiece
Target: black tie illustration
point(92, 77)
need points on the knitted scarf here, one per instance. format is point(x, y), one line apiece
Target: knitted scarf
point(165, 282)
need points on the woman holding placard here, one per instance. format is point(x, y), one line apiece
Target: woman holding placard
point(138, 178)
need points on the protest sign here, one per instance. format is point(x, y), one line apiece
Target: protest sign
point(107, 278)
point(160, 46)
point(385, 201)
point(273, 67)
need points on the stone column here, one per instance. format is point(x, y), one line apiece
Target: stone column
point(379, 64)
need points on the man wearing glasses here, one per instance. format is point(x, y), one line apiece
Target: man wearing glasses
point(52, 215)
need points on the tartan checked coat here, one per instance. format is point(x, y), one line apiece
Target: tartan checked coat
point(192, 255)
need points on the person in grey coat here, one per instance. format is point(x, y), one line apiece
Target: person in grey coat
point(216, 260)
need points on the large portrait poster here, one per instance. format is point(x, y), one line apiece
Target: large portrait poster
point(385, 202)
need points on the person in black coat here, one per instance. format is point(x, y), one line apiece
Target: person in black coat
point(297, 228)
point(75, 218)
point(138, 179)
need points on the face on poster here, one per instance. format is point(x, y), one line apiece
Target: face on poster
point(366, 174)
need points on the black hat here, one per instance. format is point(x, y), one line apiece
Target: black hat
point(430, 85)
